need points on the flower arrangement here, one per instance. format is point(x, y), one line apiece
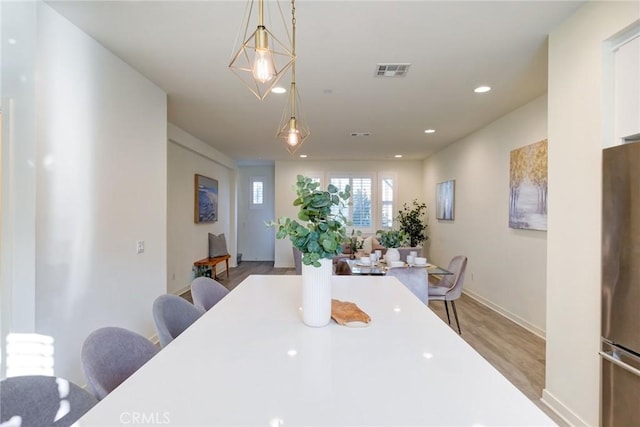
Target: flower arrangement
point(323, 230)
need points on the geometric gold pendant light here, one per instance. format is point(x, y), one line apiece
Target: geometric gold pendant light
point(262, 59)
point(293, 129)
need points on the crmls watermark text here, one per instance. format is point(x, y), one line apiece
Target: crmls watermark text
point(145, 418)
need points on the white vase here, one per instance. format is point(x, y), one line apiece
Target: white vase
point(316, 293)
point(392, 255)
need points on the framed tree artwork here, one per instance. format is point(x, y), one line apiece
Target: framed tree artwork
point(206, 199)
point(528, 187)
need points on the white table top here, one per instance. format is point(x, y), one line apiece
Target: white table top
point(251, 361)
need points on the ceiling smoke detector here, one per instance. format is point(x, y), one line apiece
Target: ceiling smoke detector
point(392, 70)
point(360, 133)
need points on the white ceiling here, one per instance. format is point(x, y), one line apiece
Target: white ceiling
point(185, 48)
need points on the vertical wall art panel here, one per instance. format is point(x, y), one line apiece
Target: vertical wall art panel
point(528, 187)
point(206, 199)
point(445, 200)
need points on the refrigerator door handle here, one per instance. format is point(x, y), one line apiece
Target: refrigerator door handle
point(608, 355)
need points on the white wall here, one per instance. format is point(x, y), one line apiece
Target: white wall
point(18, 237)
point(627, 88)
point(576, 128)
point(187, 241)
point(408, 187)
point(506, 267)
point(255, 241)
point(101, 186)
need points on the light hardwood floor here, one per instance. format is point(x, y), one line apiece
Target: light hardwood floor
point(517, 353)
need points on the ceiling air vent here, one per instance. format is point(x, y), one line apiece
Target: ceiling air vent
point(360, 133)
point(392, 70)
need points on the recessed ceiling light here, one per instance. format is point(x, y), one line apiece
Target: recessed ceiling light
point(398, 156)
point(12, 41)
point(278, 89)
point(303, 156)
point(430, 131)
point(482, 89)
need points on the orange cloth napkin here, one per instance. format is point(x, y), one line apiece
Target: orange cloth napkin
point(344, 312)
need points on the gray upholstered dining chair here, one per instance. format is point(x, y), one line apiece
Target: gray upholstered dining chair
point(110, 355)
point(172, 315)
point(207, 292)
point(404, 252)
point(40, 400)
point(449, 288)
point(415, 279)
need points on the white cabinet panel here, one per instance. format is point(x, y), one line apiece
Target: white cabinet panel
point(627, 89)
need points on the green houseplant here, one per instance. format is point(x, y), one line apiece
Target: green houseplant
point(392, 238)
point(412, 221)
point(354, 243)
point(324, 229)
point(319, 238)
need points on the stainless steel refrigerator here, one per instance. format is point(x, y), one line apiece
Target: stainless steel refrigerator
point(620, 352)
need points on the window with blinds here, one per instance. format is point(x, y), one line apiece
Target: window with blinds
point(372, 200)
point(361, 198)
point(340, 183)
point(386, 199)
point(257, 192)
point(359, 210)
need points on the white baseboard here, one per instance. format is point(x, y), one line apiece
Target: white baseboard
point(561, 410)
point(183, 290)
point(283, 266)
point(506, 313)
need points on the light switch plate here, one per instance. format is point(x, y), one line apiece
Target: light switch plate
point(140, 246)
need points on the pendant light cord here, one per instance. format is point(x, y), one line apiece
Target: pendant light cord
point(293, 66)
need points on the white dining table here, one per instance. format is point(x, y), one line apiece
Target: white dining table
point(250, 361)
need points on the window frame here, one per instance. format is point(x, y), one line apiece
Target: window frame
point(252, 181)
point(374, 197)
point(394, 194)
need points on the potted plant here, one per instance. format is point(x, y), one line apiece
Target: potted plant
point(412, 221)
point(319, 236)
point(355, 243)
point(392, 240)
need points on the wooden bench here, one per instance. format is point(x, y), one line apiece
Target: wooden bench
point(212, 262)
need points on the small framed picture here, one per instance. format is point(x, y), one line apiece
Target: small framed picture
point(445, 200)
point(206, 199)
